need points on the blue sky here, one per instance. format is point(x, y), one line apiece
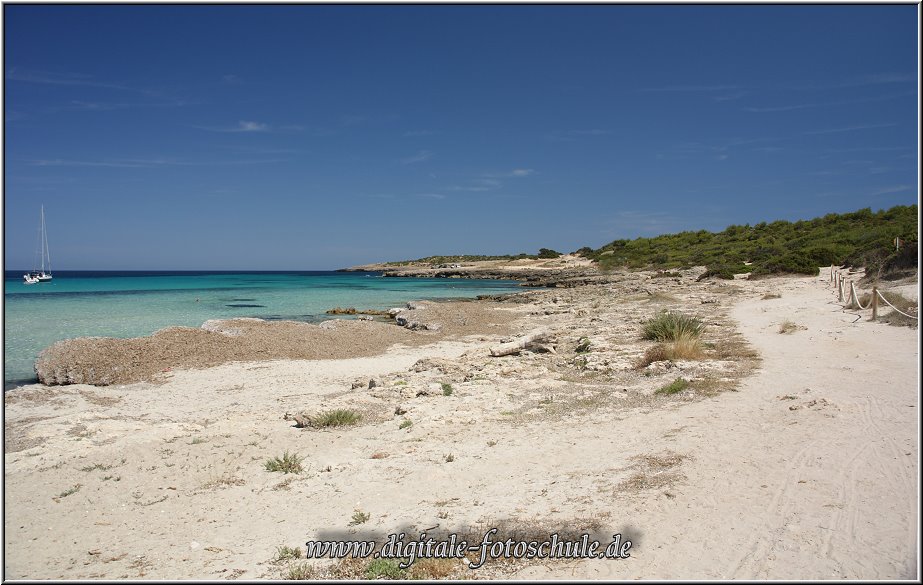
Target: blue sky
point(316, 137)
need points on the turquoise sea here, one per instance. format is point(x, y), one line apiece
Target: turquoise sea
point(130, 304)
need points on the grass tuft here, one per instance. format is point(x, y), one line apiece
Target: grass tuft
point(285, 553)
point(405, 424)
point(70, 491)
point(384, 569)
point(685, 347)
point(583, 345)
point(359, 517)
point(789, 327)
point(673, 387)
point(336, 418)
point(299, 572)
point(446, 389)
point(289, 463)
point(671, 325)
point(891, 317)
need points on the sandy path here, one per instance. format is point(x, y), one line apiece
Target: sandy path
point(826, 491)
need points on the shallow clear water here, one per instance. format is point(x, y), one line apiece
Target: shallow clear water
point(129, 304)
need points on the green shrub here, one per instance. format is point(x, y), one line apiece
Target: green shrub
point(855, 239)
point(671, 325)
point(548, 253)
point(673, 387)
point(359, 517)
point(299, 572)
point(336, 418)
point(446, 389)
point(384, 568)
point(289, 463)
point(723, 271)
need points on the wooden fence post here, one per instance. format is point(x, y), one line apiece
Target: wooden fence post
point(874, 303)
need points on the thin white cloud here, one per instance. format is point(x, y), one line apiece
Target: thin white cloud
point(515, 173)
point(894, 189)
point(57, 162)
point(242, 126)
point(780, 108)
point(432, 195)
point(849, 129)
point(230, 78)
point(731, 96)
point(861, 81)
point(78, 105)
point(803, 106)
point(521, 172)
point(420, 156)
point(73, 79)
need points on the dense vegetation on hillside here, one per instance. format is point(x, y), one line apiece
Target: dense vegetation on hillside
point(542, 254)
point(861, 238)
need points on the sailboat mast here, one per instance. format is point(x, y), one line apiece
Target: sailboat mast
point(45, 250)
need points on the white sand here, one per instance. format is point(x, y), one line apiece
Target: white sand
point(827, 490)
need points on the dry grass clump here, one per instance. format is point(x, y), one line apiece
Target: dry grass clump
point(223, 482)
point(661, 297)
point(769, 296)
point(336, 418)
point(734, 348)
point(671, 325)
point(653, 472)
point(684, 347)
point(299, 572)
point(789, 327)
point(888, 315)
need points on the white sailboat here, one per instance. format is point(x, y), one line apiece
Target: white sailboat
point(41, 275)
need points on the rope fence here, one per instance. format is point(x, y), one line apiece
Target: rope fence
point(847, 294)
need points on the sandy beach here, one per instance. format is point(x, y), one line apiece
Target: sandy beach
point(788, 455)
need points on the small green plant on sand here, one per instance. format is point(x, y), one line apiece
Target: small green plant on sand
point(298, 572)
point(446, 389)
point(289, 463)
point(336, 418)
point(285, 553)
point(384, 568)
point(359, 517)
point(670, 325)
point(583, 345)
point(677, 385)
point(405, 424)
point(70, 491)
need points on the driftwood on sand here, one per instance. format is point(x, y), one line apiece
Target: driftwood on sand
point(537, 341)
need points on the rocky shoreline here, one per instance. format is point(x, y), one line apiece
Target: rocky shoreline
point(564, 272)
